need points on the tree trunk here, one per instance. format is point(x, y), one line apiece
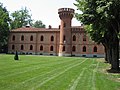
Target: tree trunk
point(115, 54)
point(108, 53)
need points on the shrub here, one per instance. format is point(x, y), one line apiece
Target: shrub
point(16, 56)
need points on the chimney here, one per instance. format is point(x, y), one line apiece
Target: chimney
point(27, 26)
point(82, 24)
point(49, 26)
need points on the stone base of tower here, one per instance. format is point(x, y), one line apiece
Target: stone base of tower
point(64, 54)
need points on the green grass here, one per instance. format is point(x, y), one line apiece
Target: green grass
point(55, 73)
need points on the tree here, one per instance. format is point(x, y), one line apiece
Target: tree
point(4, 28)
point(20, 18)
point(38, 24)
point(102, 21)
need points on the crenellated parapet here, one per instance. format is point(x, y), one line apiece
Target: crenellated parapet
point(66, 12)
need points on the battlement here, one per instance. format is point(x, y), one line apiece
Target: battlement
point(66, 12)
point(61, 10)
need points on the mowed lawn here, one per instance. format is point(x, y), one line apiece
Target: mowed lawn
point(56, 73)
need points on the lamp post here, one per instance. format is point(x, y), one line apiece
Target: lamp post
point(64, 42)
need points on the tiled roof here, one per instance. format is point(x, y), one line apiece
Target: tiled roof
point(32, 29)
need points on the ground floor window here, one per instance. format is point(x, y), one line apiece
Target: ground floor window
point(63, 48)
point(95, 49)
point(73, 48)
point(22, 47)
point(31, 47)
point(51, 48)
point(84, 49)
point(41, 48)
point(13, 47)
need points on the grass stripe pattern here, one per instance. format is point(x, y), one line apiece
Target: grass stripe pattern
point(55, 73)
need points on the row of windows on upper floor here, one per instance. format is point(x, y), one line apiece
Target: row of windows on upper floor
point(42, 38)
point(74, 38)
point(31, 38)
point(84, 49)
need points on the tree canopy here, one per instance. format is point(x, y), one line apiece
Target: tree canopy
point(20, 18)
point(38, 24)
point(102, 21)
point(4, 28)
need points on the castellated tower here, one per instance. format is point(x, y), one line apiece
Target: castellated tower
point(65, 46)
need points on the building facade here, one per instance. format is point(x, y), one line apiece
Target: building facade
point(66, 40)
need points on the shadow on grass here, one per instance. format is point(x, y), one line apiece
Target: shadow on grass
point(113, 71)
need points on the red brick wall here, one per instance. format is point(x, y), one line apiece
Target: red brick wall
point(79, 43)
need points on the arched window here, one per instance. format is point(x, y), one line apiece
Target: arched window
point(31, 38)
point(41, 38)
point(64, 24)
point(63, 48)
point(84, 49)
point(13, 37)
point(13, 47)
point(73, 48)
point(95, 49)
point(51, 48)
point(22, 47)
point(31, 47)
point(74, 38)
point(64, 38)
point(52, 38)
point(84, 38)
point(41, 48)
point(22, 38)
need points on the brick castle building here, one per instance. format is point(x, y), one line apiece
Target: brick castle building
point(66, 40)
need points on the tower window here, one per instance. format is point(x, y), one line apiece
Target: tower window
point(22, 47)
point(22, 38)
point(13, 47)
point(84, 39)
point(73, 48)
point(84, 49)
point(41, 38)
point(41, 48)
point(31, 47)
point(52, 38)
point(51, 48)
point(63, 48)
point(64, 24)
point(74, 38)
point(95, 49)
point(64, 38)
point(31, 38)
point(13, 38)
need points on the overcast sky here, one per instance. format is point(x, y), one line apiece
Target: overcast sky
point(44, 10)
